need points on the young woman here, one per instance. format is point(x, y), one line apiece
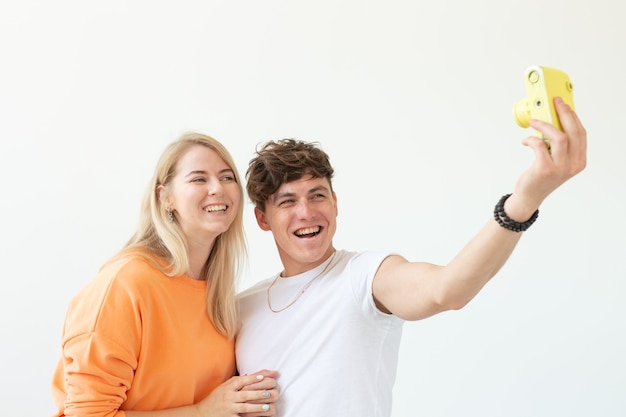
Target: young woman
point(153, 333)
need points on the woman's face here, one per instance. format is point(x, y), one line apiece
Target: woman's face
point(204, 195)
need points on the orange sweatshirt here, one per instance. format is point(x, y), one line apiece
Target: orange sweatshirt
point(136, 339)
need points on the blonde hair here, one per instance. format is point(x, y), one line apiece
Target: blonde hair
point(161, 241)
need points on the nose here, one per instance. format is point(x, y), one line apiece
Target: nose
point(304, 209)
point(215, 187)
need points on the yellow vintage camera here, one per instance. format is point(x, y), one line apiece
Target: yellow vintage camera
point(543, 84)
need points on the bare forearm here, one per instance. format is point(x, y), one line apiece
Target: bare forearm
point(416, 290)
point(487, 252)
point(476, 264)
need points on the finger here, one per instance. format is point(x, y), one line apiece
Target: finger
point(574, 129)
point(267, 373)
point(567, 116)
point(548, 130)
point(542, 154)
point(242, 381)
point(264, 396)
point(258, 410)
point(267, 382)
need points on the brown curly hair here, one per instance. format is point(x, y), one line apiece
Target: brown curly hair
point(285, 160)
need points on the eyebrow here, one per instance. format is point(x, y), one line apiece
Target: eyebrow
point(310, 191)
point(199, 171)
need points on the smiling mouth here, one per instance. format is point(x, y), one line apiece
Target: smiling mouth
point(216, 208)
point(308, 231)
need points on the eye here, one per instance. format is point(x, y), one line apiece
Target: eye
point(228, 178)
point(198, 179)
point(284, 203)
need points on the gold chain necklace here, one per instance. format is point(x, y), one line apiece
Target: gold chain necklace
point(302, 291)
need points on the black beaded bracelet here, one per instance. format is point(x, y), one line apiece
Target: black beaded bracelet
point(505, 221)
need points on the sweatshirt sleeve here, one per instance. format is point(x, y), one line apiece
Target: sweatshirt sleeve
point(101, 344)
point(98, 373)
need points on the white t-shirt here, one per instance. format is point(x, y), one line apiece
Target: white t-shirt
point(337, 354)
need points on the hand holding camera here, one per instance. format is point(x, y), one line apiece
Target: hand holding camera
point(543, 84)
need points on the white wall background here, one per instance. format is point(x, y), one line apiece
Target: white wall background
point(412, 100)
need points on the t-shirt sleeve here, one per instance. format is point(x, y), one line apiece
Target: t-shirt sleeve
point(362, 269)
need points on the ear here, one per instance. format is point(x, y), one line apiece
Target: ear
point(336, 206)
point(261, 220)
point(161, 195)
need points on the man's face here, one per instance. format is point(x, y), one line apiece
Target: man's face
point(302, 216)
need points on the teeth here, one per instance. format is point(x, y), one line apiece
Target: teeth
point(307, 231)
point(211, 209)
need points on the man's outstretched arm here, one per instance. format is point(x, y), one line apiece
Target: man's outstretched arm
point(416, 290)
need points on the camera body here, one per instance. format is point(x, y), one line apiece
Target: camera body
point(543, 84)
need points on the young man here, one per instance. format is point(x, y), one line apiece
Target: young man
point(331, 321)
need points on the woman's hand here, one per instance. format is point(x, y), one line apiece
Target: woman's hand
point(248, 395)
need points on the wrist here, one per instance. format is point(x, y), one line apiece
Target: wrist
point(518, 207)
point(514, 217)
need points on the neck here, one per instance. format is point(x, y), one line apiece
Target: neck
point(293, 268)
point(197, 256)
